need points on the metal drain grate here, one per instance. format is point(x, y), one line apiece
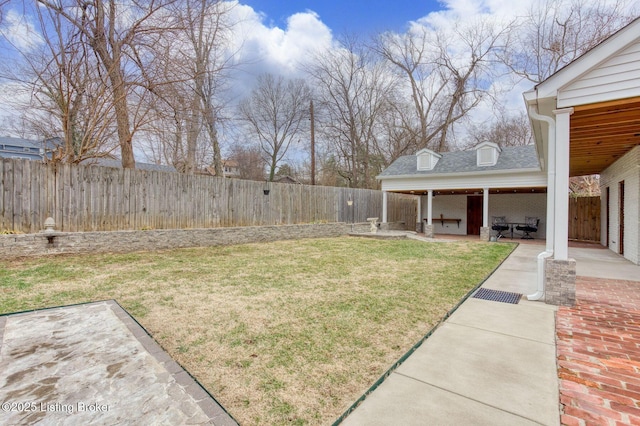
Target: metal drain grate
point(497, 295)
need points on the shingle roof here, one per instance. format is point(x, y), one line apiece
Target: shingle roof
point(511, 158)
point(24, 143)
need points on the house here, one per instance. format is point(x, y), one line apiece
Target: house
point(585, 120)
point(230, 169)
point(459, 192)
point(286, 179)
point(39, 150)
point(27, 148)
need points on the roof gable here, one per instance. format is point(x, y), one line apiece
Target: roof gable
point(596, 58)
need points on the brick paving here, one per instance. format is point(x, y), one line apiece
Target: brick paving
point(598, 350)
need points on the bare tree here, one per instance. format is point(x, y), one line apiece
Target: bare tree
point(555, 32)
point(584, 186)
point(506, 130)
point(2, 4)
point(207, 29)
point(250, 161)
point(354, 89)
point(195, 66)
point(120, 35)
point(445, 76)
point(276, 113)
point(68, 97)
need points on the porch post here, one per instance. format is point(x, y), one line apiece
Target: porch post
point(560, 271)
point(430, 207)
point(485, 208)
point(428, 229)
point(419, 214)
point(384, 206)
point(561, 219)
point(485, 231)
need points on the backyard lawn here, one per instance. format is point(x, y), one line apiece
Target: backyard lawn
point(290, 332)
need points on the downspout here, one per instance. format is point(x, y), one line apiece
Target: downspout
point(551, 189)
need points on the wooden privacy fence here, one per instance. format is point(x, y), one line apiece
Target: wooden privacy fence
point(584, 218)
point(92, 198)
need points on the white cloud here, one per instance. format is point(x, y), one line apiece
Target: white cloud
point(20, 31)
point(276, 50)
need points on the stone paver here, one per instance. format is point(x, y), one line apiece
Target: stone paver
point(598, 350)
point(93, 364)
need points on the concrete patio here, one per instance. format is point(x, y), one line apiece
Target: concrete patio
point(490, 363)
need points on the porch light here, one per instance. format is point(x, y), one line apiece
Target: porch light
point(266, 189)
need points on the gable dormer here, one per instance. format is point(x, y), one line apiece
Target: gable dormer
point(427, 159)
point(487, 154)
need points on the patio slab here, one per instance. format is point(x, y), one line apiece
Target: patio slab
point(94, 364)
point(524, 319)
point(603, 263)
point(490, 363)
point(456, 360)
point(410, 402)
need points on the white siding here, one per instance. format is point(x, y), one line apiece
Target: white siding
point(468, 181)
point(450, 207)
point(626, 169)
point(616, 78)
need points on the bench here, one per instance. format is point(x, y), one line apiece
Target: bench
point(444, 220)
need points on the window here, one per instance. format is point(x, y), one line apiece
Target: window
point(427, 159)
point(487, 154)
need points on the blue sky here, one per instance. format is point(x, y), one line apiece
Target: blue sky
point(351, 16)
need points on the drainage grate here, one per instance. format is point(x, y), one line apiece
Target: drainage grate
point(497, 295)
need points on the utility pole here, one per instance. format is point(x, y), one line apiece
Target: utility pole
point(313, 146)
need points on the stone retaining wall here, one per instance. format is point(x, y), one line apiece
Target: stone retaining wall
point(18, 245)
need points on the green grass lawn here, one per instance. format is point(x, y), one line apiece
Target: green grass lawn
point(290, 332)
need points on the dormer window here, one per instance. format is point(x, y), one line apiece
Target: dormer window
point(487, 154)
point(427, 159)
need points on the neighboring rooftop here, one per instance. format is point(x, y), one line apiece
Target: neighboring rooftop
point(26, 148)
point(510, 158)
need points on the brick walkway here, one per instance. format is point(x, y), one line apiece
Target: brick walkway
point(598, 349)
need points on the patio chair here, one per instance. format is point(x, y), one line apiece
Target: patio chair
point(499, 224)
point(530, 225)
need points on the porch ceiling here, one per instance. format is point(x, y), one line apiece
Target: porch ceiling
point(478, 191)
point(602, 133)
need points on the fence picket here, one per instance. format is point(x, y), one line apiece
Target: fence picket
point(92, 198)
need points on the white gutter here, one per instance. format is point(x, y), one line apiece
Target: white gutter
point(551, 189)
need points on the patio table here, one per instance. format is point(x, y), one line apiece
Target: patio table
point(512, 226)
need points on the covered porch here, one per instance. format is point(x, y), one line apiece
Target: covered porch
point(471, 211)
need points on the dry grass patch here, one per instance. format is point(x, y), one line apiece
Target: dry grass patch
point(287, 332)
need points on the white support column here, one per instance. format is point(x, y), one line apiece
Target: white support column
point(430, 207)
point(384, 206)
point(485, 208)
point(561, 219)
point(419, 214)
point(428, 227)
